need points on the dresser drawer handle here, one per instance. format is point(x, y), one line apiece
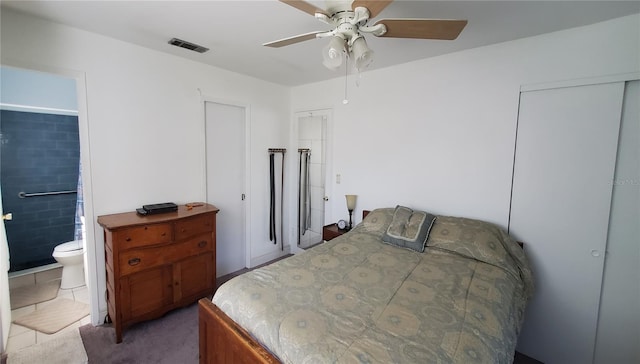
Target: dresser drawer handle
point(128, 239)
point(134, 261)
point(202, 244)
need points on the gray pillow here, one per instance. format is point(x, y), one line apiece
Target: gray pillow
point(409, 228)
point(376, 222)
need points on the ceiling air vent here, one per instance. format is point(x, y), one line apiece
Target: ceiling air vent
point(187, 45)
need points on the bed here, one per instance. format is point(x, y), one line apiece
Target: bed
point(370, 296)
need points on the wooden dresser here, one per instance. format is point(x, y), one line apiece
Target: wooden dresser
point(157, 263)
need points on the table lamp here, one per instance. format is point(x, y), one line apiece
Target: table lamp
point(351, 205)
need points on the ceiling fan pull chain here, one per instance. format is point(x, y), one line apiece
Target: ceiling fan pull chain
point(346, 70)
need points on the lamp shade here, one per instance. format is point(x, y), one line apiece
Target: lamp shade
point(351, 201)
point(332, 53)
point(362, 55)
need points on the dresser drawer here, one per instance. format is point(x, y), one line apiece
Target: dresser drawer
point(192, 247)
point(194, 226)
point(137, 260)
point(143, 235)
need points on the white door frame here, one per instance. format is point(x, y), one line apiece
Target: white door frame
point(91, 255)
point(246, 234)
point(293, 166)
point(525, 345)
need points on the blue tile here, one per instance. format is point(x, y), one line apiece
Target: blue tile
point(39, 153)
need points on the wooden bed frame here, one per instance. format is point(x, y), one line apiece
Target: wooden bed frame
point(222, 340)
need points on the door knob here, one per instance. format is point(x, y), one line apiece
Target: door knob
point(7, 216)
point(326, 198)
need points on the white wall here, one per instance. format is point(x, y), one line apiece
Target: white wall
point(441, 130)
point(438, 134)
point(146, 121)
point(20, 88)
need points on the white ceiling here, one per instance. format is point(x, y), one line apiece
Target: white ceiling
point(236, 30)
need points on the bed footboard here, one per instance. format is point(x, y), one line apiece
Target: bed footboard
point(224, 341)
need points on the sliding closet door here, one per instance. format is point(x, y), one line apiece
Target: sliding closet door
point(618, 335)
point(564, 167)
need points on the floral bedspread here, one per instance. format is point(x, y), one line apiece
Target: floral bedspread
point(356, 299)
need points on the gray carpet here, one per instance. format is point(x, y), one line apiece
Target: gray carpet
point(170, 339)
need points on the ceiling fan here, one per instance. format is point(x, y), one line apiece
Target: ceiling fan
point(351, 21)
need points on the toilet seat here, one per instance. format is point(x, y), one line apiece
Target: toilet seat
point(67, 249)
point(69, 246)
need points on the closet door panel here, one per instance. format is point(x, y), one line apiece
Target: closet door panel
point(225, 135)
point(619, 319)
point(564, 167)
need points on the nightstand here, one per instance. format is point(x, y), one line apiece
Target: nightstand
point(331, 231)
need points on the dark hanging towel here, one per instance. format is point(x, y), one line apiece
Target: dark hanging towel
point(272, 203)
point(273, 236)
point(304, 195)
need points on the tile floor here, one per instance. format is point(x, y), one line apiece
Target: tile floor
point(21, 337)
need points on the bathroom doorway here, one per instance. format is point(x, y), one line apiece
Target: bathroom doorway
point(39, 166)
point(53, 106)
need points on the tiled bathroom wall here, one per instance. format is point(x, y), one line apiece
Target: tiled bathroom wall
point(39, 153)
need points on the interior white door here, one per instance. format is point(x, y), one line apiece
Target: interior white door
point(563, 172)
point(225, 144)
point(5, 302)
point(618, 333)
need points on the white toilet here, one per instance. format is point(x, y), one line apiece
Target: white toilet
point(71, 256)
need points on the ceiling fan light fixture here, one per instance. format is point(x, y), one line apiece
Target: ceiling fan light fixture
point(362, 54)
point(333, 52)
point(351, 21)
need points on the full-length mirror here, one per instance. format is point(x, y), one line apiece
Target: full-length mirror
point(311, 154)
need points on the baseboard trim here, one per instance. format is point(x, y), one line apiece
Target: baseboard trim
point(269, 257)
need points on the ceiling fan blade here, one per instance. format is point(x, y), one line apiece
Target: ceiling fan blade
point(305, 6)
point(423, 28)
point(374, 6)
point(292, 40)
